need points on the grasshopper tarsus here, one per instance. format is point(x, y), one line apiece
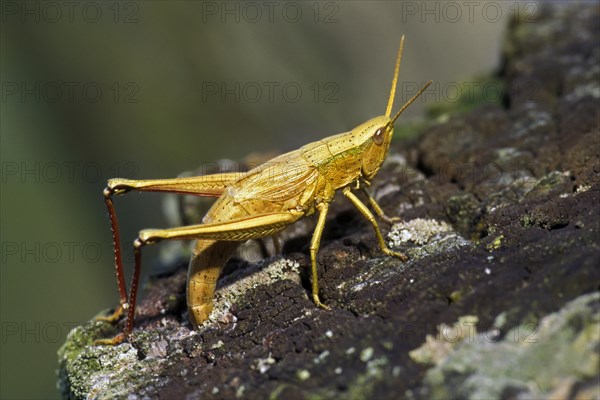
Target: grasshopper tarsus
point(262, 202)
point(115, 340)
point(403, 257)
point(390, 220)
point(115, 316)
point(318, 303)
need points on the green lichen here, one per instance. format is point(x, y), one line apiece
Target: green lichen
point(436, 349)
point(83, 336)
point(363, 386)
point(82, 365)
point(534, 359)
point(108, 372)
point(550, 182)
point(495, 244)
point(425, 237)
point(74, 370)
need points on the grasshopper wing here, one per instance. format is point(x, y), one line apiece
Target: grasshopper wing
point(282, 178)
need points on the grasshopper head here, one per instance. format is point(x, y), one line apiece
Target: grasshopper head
point(377, 132)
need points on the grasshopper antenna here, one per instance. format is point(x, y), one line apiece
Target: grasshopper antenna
point(408, 103)
point(388, 110)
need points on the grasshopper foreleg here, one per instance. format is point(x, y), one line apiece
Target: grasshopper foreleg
point(369, 216)
point(378, 210)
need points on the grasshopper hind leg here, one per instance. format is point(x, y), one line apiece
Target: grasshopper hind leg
point(205, 267)
point(206, 185)
point(114, 225)
point(129, 305)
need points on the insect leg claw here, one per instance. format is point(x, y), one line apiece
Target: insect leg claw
point(111, 342)
point(115, 316)
point(391, 220)
point(318, 302)
point(396, 254)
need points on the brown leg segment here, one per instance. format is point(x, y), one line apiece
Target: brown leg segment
point(137, 247)
point(114, 226)
point(207, 185)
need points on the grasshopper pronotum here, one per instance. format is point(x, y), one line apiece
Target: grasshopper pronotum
point(260, 203)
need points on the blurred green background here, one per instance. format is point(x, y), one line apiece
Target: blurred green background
point(94, 90)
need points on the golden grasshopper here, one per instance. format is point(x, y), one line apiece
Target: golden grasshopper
point(260, 203)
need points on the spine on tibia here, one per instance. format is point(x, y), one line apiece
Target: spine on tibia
point(208, 259)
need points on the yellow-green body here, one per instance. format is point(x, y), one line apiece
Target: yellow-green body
point(296, 183)
point(260, 203)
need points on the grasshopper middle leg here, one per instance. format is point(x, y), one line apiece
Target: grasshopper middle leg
point(314, 249)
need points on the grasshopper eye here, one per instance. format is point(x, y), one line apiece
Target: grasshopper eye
point(378, 136)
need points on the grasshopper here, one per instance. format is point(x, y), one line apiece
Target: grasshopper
point(261, 203)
